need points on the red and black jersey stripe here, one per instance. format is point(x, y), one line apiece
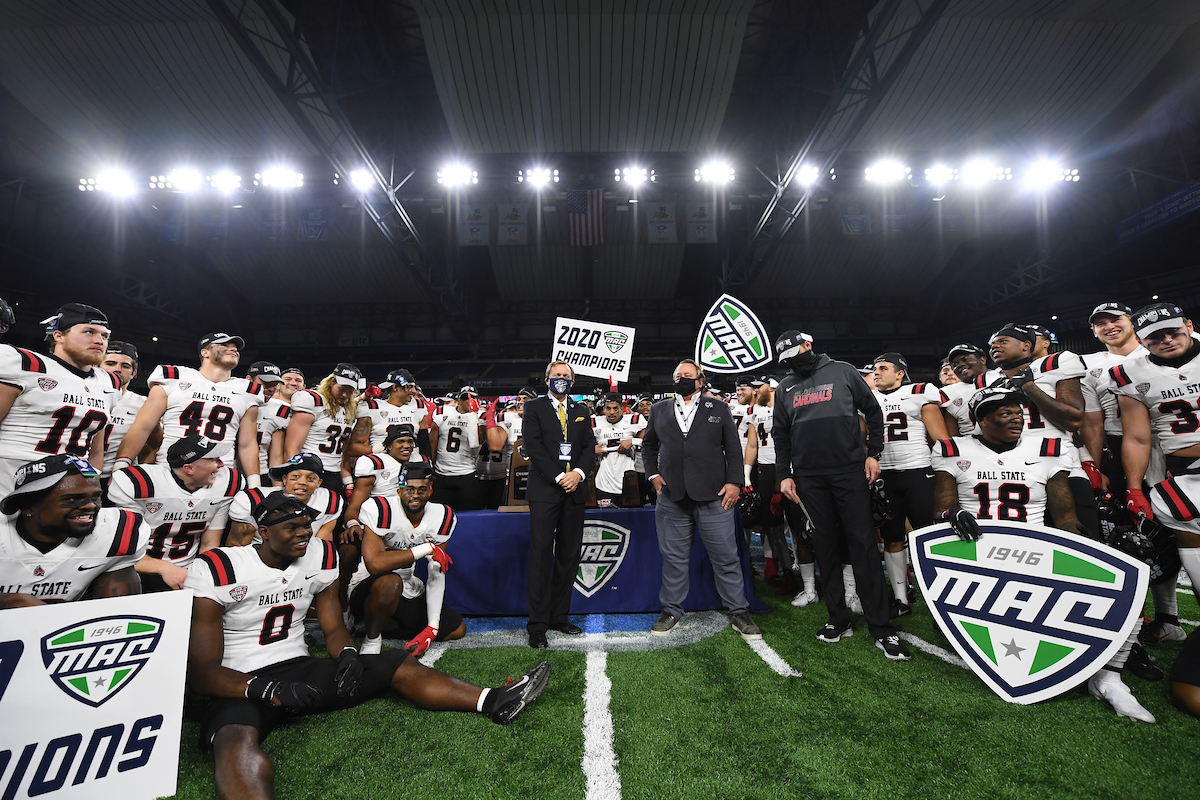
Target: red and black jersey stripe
point(376, 462)
point(31, 361)
point(1119, 376)
point(919, 388)
point(220, 566)
point(116, 379)
point(328, 555)
point(980, 380)
point(1051, 363)
point(942, 395)
point(254, 388)
point(143, 487)
point(170, 373)
point(256, 496)
point(335, 502)
point(235, 483)
point(284, 412)
point(318, 401)
point(1051, 447)
point(949, 448)
point(125, 539)
point(1182, 507)
point(385, 513)
point(447, 523)
point(372, 403)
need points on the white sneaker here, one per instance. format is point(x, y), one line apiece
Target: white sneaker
point(348, 619)
point(854, 604)
point(371, 647)
point(1106, 685)
point(803, 599)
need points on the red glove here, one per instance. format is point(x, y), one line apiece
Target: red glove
point(1137, 504)
point(490, 417)
point(420, 643)
point(777, 505)
point(1093, 473)
point(747, 489)
point(444, 561)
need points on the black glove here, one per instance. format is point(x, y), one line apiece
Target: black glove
point(963, 523)
point(349, 672)
point(1021, 377)
point(881, 504)
point(293, 696)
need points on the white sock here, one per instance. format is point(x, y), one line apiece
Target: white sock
point(1166, 600)
point(1190, 556)
point(880, 547)
point(849, 587)
point(897, 571)
point(808, 576)
point(482, 696)
point(766, 543)
point(1119, 658)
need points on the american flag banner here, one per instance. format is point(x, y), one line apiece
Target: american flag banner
point(585, 213)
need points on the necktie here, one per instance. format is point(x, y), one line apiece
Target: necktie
point(562, 421)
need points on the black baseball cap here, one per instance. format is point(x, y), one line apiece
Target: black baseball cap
point(1043, 331)
point(892, 358)
point(222, 338)
point(279, 507)
point(868, 369)
point(527, 393)
point(1155, 317)
point(265, 371)
point(45, 473)
point(645, 399)
point(1013, 330)
point(985, 400)
point(70, 314)
point(189, 449)
point(307, 461)
point(401, 431)
point(965, 348)
point(466, 391)
point(1111, 310)
point(756, 382)
point(789, 343)
point(116, 348)
point(416, 471)
point(745, 380)
point(296, 370)
point(398, 377)
point(613, 397)
point(349, 375)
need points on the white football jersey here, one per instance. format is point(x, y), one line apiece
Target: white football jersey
point(264, 606)
point(1009, 485)
point(385, 516)
point(904, 442)
point(385, 470)
point(494, 465)
point(328, 433)
point(610, 473)
point(327, 504)
point(117, 541)
point(383, 415)
point(59, 409)
point(177, 517)
point(954, 401)
point(272, 417)
point(741, 418)
point(197, 406)
point(119, 423)
point(1171, 393)
point(1097, 386)
point(458, 442)
point(761, 422)
point(1178, 499)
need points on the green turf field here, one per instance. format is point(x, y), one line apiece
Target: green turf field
point(711, 719)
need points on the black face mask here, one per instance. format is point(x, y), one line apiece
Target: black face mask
point(684, 387)
point(803, 362)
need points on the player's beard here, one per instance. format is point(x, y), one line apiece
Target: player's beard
point(66, 531)
point(83, 358)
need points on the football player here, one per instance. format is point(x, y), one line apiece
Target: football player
point(967, 362)
point(495, 453)
point(7, 317)
point(742, 405)
point(272, 417)
point(59, 544)
point(974, 482)
point(57, 404)
point(248, 652)
point(375, 417)
point(206, 402)
point(122, 360)
point(455, 434)
point(617, 438)
point(299, 476)
point(911, 419)
point(186, 504)
point(946, 374)
point(1158, 393)
point(1102, 434)
point(322, 420)
point(291, 381)
point(380, 474)
point(645, 489)
point(759, 465)
point(399, 531)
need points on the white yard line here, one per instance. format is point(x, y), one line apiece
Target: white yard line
point(1192, 622)
point(435, 651)
point(599, 758)
point(773, 659)
point(933, 649)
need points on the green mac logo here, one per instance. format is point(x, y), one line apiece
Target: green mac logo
point(91, 661)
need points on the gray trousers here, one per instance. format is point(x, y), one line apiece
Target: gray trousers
point(677, 525)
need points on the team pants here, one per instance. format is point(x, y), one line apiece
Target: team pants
point(911, 494)
point(492, 491)
point(460, 492)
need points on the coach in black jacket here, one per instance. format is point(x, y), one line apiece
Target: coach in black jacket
point(693, 456)
point(557, 490)
point(820, 458)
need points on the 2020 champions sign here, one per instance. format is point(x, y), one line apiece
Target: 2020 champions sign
point(594, 348)
point(91, 697)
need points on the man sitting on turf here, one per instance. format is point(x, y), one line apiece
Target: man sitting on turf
point(247, 649)
point(399, 530)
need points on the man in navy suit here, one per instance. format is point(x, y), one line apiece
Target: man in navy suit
point(561, 447)
point(693, 456)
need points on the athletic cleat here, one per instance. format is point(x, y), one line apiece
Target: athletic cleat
point(745, 626)
point(1141, 664)
point(854, 604)
point(898, 609)
point(893, 648)
point(830, 633)
point(1156, 631)
point(523, 692)
point(1107, 685)
point(371, 647)
point(664, 624)
point(804, 599)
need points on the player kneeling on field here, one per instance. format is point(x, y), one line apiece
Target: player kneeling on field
point(968, 489)
point(247, 649)
point(398, 531)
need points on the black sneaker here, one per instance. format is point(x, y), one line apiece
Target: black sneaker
point(831, 633)
point(1141, 664)
point(745, 626)
point(1160, 631)
point(663, 624)
point(515, 695)
point(893, 648)
point(898, 609)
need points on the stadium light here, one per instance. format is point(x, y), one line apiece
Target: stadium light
point(279, 177)
point(807, 175)
point(715, 172)
point(361, 179)
point(980, 171)
point(116, 182)
point(888, 172)
point(457, 175)
point(537, 176)
point(225, 181)
point(939, 174)
point(182, 179)
point(1044, 173)
point(632, 175)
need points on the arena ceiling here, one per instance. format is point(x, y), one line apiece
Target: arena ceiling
point(587, 87)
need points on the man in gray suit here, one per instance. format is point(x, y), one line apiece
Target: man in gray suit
point(693, 456)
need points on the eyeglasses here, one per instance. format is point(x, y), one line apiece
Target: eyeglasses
point(422, 490)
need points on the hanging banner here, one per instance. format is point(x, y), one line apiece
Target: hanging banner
point(855, 220)
point(593, 348)
point(732, 339)
point(472, 225)
point(1168, 209)
point(660, 219)
point(73, 727)
point(314, 225)
point(701, 224)
point(512, 224)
